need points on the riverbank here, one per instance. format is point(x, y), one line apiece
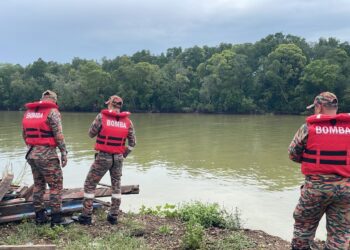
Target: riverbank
point(192, 226)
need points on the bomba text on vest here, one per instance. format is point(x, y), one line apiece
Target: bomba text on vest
point(31, 115)
point(333, 130)
point(118, 124)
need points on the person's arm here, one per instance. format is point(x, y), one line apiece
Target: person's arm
point(54, 119)
point(131, 140)
point(23, 135)
point(95, 126)
point(298, 144)
point(24, 138)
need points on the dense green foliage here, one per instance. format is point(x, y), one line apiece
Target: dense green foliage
point(278, 74)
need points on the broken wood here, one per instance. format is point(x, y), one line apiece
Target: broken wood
point(27, 193)
point(5, 184)
point(16, 201)
point(12, 201)
point(78, 193)
point(20, 189)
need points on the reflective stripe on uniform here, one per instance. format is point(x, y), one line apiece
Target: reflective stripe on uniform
point(89, 196)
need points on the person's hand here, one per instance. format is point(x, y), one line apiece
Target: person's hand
point(63, 160)
point(125, 155)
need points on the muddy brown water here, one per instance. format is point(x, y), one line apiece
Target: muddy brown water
point(235, 160)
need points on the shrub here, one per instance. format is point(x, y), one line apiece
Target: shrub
point(193, 237)
point(206, 215)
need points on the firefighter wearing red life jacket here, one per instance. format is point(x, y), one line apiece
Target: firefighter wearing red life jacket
point(112, 129)
point(322, 146)
point(42, 133)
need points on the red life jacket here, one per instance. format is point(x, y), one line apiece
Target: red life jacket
point(328, 145)
point(36, 130)
point(115, 127)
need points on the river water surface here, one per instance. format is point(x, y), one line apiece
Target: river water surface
point(235, 160)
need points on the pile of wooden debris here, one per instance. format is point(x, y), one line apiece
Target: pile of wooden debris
point(16, 202)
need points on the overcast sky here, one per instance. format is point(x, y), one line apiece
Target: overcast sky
point(59, 30)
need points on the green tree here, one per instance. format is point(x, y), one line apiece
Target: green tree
point(279, 77)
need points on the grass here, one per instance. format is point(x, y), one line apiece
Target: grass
point(205, 214)
point(27, 231)
point(168, 210)
point(115, 240)
point(73, 237)
point(199, 216)
point(235, 241)
point(193, 238)
point(195, 219)
point(165, 229)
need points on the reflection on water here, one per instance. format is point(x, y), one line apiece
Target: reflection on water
point(234, 160)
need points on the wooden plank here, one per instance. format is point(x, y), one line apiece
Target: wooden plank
point(27, 193)
point(28, 247)
point(12, 201)
point(78, 193)
point(104, 185)
point(5, 184)
point(20, 189)
point(23, 191)
point(104, 203)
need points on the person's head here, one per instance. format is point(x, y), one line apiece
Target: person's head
point(325, 103)
point(49, 95)
point(114, 102)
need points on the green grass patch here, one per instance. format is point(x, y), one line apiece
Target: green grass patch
point(168, 210)
point(235, 241)
point(193, 237)
point(100, 215)
point(132, 227)
point(165, 230)
point(72, 237)
point(205, 214)
point(116, 240)
point(27, 232)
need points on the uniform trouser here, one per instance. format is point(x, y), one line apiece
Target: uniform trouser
point(50, 172)
point(323, 194)
point(103, 162)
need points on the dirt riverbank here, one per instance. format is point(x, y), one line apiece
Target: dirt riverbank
point(138, 231)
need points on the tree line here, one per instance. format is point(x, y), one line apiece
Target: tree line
point(278, 74)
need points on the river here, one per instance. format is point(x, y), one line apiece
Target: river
point(235, 160)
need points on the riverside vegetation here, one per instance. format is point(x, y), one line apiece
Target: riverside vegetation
point(277, 74)
point(192, 225)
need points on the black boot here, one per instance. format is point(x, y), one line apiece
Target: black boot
point(112, 219)
point(41, 217)
point(82, 219)
point(57, 220)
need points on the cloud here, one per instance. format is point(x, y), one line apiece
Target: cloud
point(61, 30)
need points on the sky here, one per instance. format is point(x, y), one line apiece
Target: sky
point(59, 30)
